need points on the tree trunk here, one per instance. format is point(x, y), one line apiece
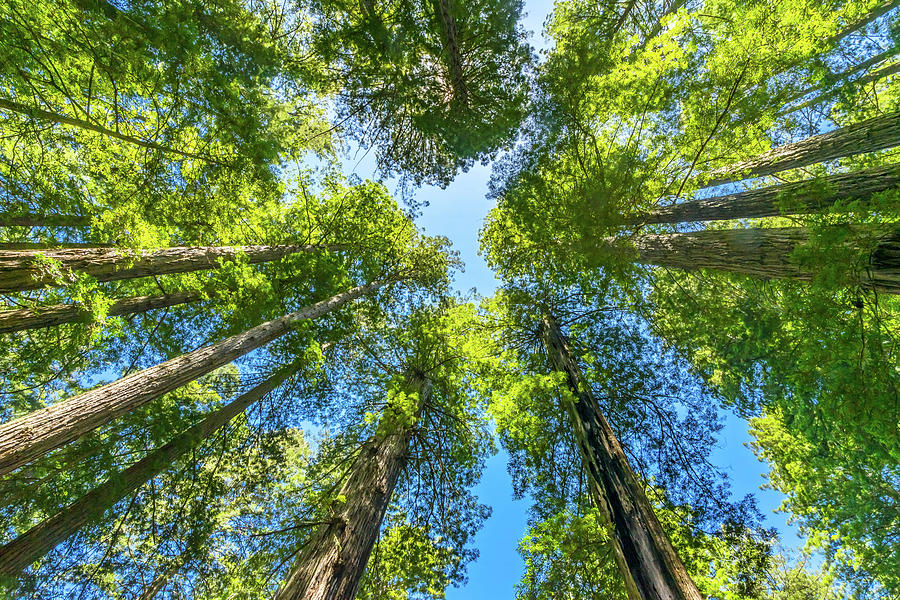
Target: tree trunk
point(870, 135)
point(160, 581)
point(840, 77)
point(24, 269)
point(46, 115)
point(800, 197)
point(763, 253)
point(651, 568)
point(31, 436)
point(17, 554)
point(7, 220)
point(332, 563)
point(879, 12)
point(858, 83)
point(58, 314)
point(451, 46)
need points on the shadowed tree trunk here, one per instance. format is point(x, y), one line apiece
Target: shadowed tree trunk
point(58, 314)
point(17, 554)
point(870, 135)
point(799, 198)
point(451, 46)
point(651, 568)
point(24, 269)
point(33, 435)
point(332, 563)
point(763, 253)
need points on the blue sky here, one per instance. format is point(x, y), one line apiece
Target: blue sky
point(457, 212)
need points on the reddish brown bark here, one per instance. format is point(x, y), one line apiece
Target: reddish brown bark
point(804, 197)
point(22, 270)
point(33, 435)
point(58, 314)
point(650, 566)
point(763, 253)
point(870, 135)
point(17, 554)
point(332, 563)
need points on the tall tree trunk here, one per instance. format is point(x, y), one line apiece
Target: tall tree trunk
point(800, 197)
point(763, 253)
point(51, 245)
point(838, 79)
point(651, 568)
point(20, 220)
point(160, 581)
point(332, 563)
point(31, 436)
point(49, 316)
point(451, 46)
point(870, 135)
point(24, 269)
point(17, 554)
point(858, 83)
point(46, 115)
point(877, 13)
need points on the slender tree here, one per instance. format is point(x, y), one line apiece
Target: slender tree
point(16, 555)
point(332, 563)
point(791, 198)
point(33, 269)
point(46, 115)
point(647, 561)
point(870, 135)
point(33, 220)
point(31, 436)
point(21, 319)
point(764, 253)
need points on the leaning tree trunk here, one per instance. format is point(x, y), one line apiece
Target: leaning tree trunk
point(31, 436)
point(17, 554)
point(160, 581)
point(870, 135)
point(58, 314)
point(29, 269)
point(332, 563)
point(841, 78)
point(40, 114)
point(20, 220)
point(763, 253)
point(650, 566)
point(800, 197)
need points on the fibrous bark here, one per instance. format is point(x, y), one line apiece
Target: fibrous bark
point(650, 566)
point(17, 554)
point(332, 563)
point(763, 253)
point(49, 316)
point(31, 436)
point(27, 269)
point(870, 135)
point(802, 197)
